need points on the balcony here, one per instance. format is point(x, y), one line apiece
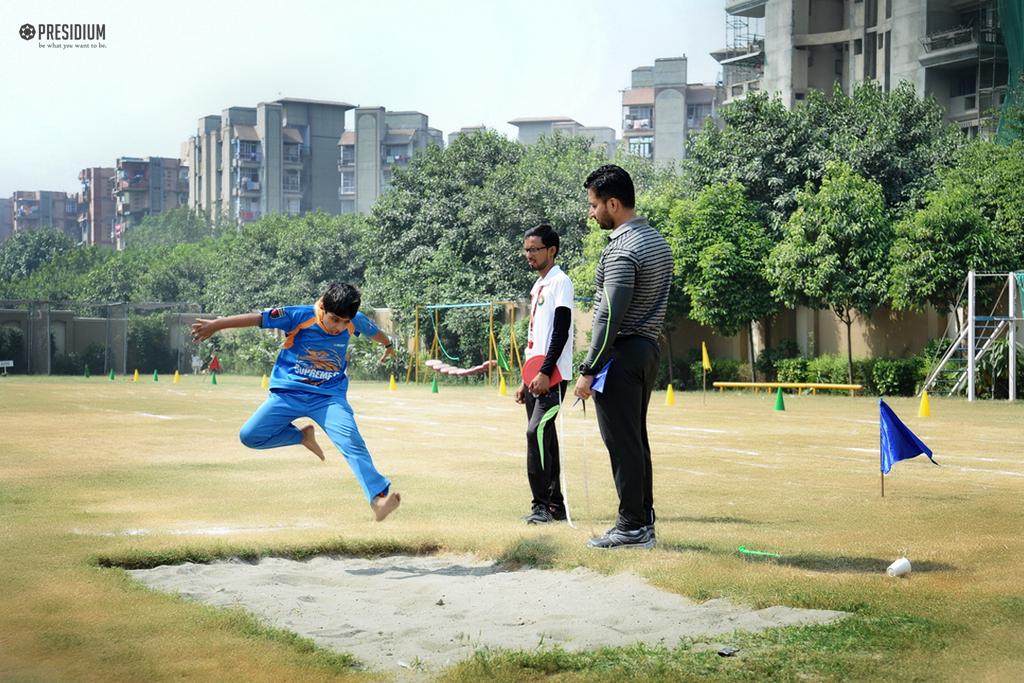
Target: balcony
point(745, 8)
point(291, 186)
point(956, 46)
point(246, 157)
point(346, 191)
point(246, 186)
point(633, 123)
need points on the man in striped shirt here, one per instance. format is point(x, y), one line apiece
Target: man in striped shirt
point(632, 287)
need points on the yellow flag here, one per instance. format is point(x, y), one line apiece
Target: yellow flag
point(704, 352)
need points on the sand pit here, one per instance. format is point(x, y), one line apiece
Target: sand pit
point(399, 613)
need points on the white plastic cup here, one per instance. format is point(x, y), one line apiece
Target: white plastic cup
point(900, 567)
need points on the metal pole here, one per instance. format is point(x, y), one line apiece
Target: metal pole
point(106, 344)
point(970, 336)
point(49, 351)
point(126, 337)
point(1012, 285)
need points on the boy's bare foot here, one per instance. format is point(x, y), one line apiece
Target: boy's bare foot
point(309, 440)
point(383, 506)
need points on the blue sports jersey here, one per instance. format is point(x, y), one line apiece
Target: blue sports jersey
point(311, 359)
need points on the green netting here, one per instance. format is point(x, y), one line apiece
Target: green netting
point(1011, 18)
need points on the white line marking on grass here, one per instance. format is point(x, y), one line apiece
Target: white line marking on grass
point(159, 417)
point(207, 531)
point(971, 469)
point(384, 418)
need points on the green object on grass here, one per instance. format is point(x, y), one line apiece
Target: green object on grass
point(744, 550)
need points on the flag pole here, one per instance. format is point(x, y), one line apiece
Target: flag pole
point(883, 484)
point(705, 386)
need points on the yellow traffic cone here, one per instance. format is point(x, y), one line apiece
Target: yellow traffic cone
point(136, 379)
point(391, 385)
point(177, 377)
point(502, 390)
point(265, 383)
point(925, 410)
point(670, 399)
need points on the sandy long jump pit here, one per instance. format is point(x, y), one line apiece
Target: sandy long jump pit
point(400, 612)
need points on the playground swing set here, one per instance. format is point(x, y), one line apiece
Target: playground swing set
point(434, 365)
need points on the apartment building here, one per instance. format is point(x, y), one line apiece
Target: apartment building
point(40, 209)
point(146, 187)
point(6, 218)
point(380, 142)
point(955, 50)
point(278, 157)
point(660, 111)
point(466, 130)
point(96, 207)
point(530, 130)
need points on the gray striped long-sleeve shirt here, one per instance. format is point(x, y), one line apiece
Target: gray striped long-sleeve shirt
point(633, 279)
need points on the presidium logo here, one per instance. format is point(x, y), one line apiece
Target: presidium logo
point(69, 35)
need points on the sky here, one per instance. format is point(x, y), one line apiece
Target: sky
point(163, 65)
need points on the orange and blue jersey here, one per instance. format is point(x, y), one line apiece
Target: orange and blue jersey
point(312, 359)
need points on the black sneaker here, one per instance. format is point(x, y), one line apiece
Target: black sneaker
point(558, 514)
point(616, 538)
point(540, 515)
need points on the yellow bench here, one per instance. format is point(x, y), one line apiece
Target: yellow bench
point(813, 386)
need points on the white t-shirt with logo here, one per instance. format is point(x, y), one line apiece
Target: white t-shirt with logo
point(550, 292)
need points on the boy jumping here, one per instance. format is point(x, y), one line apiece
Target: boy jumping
point(309, 380)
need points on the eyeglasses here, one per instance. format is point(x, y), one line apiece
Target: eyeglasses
point(532, 251)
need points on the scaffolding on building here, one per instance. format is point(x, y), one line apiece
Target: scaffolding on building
point(742, 59)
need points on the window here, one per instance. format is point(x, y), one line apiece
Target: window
point(248, 150)
point(290, 151)
point(291, 181)
point(963, 82)
point(348, 182)
point(348, 154)
point(638, 116)
point(642, 147)
point(293, 206)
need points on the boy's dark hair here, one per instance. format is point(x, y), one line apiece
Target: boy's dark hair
point(342, 299)
point(612, 181)
point(548, 236)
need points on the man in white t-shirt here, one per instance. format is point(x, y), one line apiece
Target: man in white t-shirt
point(550, 336)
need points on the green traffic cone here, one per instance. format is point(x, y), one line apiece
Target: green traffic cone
point(213, 378)
point(154, 376)
point(111, 374)
point(779, 403)
point(433, 388)
point(87, 371)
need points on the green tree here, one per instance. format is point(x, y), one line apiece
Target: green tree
point(284, 260)
point(834, 249)
point(26, 252)
point(720, 243)
point(973, 221)
point(65, 277)
point(892, 138)
point(450, 229)
point(174, 227)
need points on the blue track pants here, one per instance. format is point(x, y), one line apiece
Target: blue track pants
point(271, 427)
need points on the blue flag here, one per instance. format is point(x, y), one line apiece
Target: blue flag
point(598, 383)
point(599, 378)
point(898, 442)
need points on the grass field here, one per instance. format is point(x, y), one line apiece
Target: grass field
point(98, 475)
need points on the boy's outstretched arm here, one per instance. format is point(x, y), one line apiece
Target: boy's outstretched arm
point(389, 346)
point(204, 329)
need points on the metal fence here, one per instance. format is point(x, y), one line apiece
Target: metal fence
point(61, 337)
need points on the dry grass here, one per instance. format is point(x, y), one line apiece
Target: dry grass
point(93, 472)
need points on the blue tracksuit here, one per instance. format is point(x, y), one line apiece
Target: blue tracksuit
point(309, 380)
